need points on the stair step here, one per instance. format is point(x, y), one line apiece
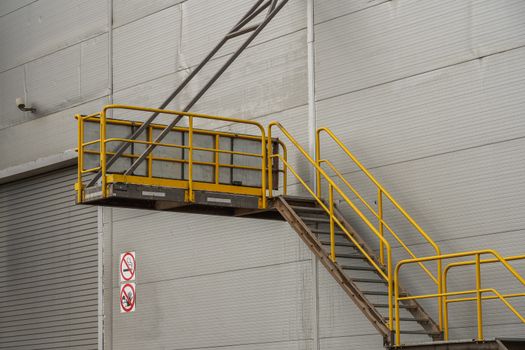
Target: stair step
point(359, 268)
point(327, 232)
point(423, 332)
point(351, 256)
point(374, 292)
point(382, 306)
point(407, 319)
point(298, 208)
point(369, 280)
point(303, 200)
point(315, 219)
point(339, 244)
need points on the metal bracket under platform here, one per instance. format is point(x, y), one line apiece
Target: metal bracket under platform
point(175, 199)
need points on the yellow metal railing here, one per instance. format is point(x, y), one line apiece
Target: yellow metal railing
point(189, 184)
point(478, 292)
point(329, 209)
point(381, 222)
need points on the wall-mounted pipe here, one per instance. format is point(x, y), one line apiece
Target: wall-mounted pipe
point(312, 126)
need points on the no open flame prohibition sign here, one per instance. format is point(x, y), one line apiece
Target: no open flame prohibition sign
point(128, 298)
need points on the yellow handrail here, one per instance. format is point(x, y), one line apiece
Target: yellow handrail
point(444, 294)
point(381, 191)
point(329, 210)
point(381, 220)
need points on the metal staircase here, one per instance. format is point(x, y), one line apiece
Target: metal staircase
point(227, 173)
point(352, 269)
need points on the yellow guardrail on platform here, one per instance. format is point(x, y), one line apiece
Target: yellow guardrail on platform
point(479, 291)
point(189, 184)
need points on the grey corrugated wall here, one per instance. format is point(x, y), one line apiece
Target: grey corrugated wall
point(427, 93)
point(48, 265)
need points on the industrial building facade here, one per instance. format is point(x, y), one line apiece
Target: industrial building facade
point(428, 94)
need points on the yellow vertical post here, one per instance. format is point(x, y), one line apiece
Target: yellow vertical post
point(478, 296)
point(396, 306)
point(270, 162)
point(190, 159)
point(391, 284)
point(332, 232)
point(440, 292)
point(381, 226)
point(444, 304)
point(103, 153)
point(217, 169)
point(318, 162)
point(150, 155)
point(266, 160)
point(285, 170)
point(80, 167)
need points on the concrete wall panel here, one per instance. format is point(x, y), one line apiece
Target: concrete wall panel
point(396, 40)
point(247, 306)
point(125, 11)
point(11, 87)
point(146, 49)
point(44, 27)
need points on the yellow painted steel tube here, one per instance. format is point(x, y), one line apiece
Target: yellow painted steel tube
point(80, 165)
point(478, 297)
point(150, 156)
point(336, 221)
point(332, 232)
point(217, 166)
point(381, 231)
point(385, 225)
point(489, 297)
point(103, 153)
point(190, 160)
point(394, 202)
point(451, 256)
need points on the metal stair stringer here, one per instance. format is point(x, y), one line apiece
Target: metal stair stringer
point(412, 306)
point(351, 289)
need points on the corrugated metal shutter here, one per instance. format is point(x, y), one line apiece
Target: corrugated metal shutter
point(48, 265)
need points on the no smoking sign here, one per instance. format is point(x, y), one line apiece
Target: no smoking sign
point(127, 267)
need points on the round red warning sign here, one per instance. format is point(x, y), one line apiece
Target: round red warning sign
point(127, 297)
point(127, 267)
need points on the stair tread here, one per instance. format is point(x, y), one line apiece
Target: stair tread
point(381, 305)
point(340, 244)
point(376, 292)
point(315, 219)
point(359, 268)
point(416, 331)
point(351, 256)
point(308, 209)
point(369, 280)
point(327, 231)
point(407, 319)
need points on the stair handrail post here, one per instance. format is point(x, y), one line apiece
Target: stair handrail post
point(318, 162)
point(190, 159)
point(380, 224)
point(270, 165)
point(103, 169)
point(396, 300)
point(80, 151)
point(332, 232)
point(478, 297)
